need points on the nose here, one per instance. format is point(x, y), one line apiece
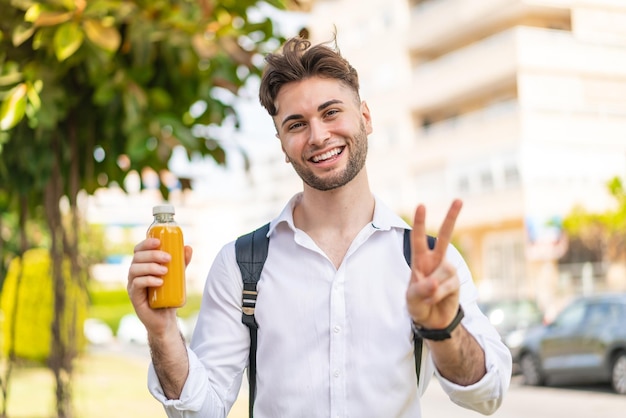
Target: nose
point(318, 132)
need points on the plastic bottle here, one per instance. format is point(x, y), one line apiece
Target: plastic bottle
point(172, 293)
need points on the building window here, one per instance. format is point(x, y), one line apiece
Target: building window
point(511, 176)
point(463, 185)
point(505, 261)
point(486, 180)
point(422, 3)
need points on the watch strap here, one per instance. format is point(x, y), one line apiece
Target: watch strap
point(439, 334)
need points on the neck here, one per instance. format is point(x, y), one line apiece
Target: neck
point(345, 210)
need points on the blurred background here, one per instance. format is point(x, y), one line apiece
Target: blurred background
point(520, 115)
point(518, 107)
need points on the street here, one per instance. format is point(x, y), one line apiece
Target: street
point(588, 401)
point(596, 401)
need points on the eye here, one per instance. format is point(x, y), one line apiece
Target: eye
point(332, 112)
point(295, 126)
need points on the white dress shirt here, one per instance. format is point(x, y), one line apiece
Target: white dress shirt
point(331, 342)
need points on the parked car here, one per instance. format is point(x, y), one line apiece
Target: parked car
point(512, 318)
point(131, 331)
point(585, 343)
point(97, 332)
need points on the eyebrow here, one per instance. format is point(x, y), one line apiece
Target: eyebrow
point(319, 109)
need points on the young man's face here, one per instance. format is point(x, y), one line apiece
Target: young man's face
point(323, 131)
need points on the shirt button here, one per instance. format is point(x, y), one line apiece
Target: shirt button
point(336, 374)
point(337, 329)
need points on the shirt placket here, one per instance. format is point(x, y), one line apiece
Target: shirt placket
point(338, 346)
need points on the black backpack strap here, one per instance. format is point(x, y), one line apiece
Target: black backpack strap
point(417, 351)
point(251, 252)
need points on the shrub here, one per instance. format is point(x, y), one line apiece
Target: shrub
point(111, 304)
point(35, 306)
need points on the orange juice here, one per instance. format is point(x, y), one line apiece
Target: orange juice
point(172, 293)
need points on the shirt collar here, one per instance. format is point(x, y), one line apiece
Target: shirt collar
point(384, 218)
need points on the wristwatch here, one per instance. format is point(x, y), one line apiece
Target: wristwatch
point(439, 334)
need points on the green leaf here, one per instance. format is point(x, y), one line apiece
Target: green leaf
point(32, 13)
point(105, 7)
point(52, 18)
point(22, 33)
point(279, 4)
point(179, 131)
point(160, 98)
point(67, 39)
point(136, 145)
point(219, 155)
point(33, 97)
point(104, 93)
point(10, 79)
point(13, 108)
point(107, 38)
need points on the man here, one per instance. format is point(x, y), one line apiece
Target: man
point(336, 297)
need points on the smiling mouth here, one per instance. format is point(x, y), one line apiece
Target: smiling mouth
point(327, 155)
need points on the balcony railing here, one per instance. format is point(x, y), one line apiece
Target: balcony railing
point(437, 23)
point(499, 117)
point(470, 71)
point(479, 70)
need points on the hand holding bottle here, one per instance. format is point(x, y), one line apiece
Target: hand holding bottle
point(172, 293)
point(147, 271)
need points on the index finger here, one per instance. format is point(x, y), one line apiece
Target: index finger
point(148, 251)
point(147, 245)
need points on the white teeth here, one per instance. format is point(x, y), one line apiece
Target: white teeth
point(326, 155)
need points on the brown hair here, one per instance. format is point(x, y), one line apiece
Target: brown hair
point(298, 61)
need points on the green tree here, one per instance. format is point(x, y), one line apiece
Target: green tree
point(598, 237)
point(94, 90)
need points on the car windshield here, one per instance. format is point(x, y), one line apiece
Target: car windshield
point(570, 317)
point(509, 315)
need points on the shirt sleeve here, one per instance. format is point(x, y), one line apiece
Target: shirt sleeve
point(486, 395)
point(218, 352)
point(196, 399)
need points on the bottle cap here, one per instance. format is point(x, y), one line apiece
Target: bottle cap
point(158, 209)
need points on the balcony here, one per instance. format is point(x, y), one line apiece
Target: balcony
point(482, 69)
point(498, 123)
point(467, 74)
point(438, 25)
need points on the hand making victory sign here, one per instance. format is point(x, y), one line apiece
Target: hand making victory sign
point(433, 292)
point(433, 301)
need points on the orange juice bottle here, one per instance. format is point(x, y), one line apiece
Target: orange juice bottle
point(172, 293)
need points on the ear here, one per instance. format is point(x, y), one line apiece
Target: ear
point(367, 117)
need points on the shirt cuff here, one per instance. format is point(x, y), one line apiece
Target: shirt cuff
point(486, 395)
point(194, 393)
